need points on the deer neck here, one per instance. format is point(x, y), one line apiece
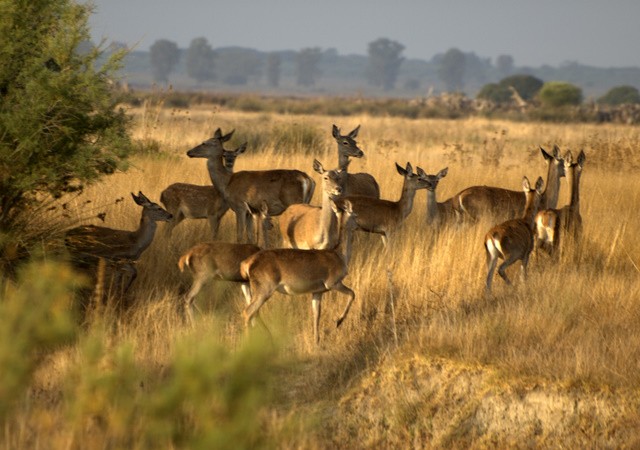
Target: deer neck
point(432, 206)
point(328, 225)
point(552, 190)
point(530, 210)
point(343, 161)
point(574, 189)
point(143, 236)
point(405, 204)
point(220, 177)
point(343, 249)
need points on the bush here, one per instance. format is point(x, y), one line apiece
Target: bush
point(495, 92)
point(560, 93)
point(527, 86)
point(620, 95)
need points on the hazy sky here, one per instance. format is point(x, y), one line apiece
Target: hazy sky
point(602, 33)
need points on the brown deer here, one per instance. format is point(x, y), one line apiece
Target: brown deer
point(357, 183)
point(384, 217)
point(552, 224)
point(191, 201)
point(296, 272)
point(476, 201)
point(312, 227)
point(121, 249)
point(221, 260)
point(438, 213)
point(513, 240)
point(278, 188)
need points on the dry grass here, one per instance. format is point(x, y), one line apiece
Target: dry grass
point(573, 323)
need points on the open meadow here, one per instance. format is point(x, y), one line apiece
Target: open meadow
point(424, 360)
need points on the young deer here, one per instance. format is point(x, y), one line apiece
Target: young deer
point(475, 201)
point(296, 272)
point(221, 260)
point(88, 244)
point(312, 227)
point(513, 240)
point(357, 183)
point(191, 201)
point(384, 217)
point(279, 188)
point(438, 213)
point(551, 224)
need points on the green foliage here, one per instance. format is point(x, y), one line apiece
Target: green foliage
point(495, 92)
point(200, 60)
point(527, 86)
point(385, 59)
point(35, 317)
point(620, 95)
point(307, 61)
point(59, 126)
point(452, 69)
point(164, 55)
point(559, 93)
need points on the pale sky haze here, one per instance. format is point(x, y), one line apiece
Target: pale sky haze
point(591, 32)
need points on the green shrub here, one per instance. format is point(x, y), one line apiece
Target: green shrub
point(527, 86)
point(495, 92)
point(560, 93)
point(620, 95)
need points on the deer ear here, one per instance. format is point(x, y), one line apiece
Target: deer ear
point(227, 136)
point(335, 132)
point(443, 173)
point(526, 186)
point(400, 170)
point(420, 171)
point(581, 158)
point(539, 183)
point(240, 150)
point(546, 155)
point(354, 132)
point(317, 166)
point(264, 208)
point(217, 134)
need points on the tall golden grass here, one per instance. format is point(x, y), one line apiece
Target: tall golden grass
point(574, 322)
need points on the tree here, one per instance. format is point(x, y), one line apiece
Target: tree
point(620, 95)
point(560, 93)
point(307, 61)
point(200, 60)
point(164, 56)
point(385, 58)
point(237, 65)
point(527, 86)
point(273, 69)
point(495, 92)
point(59, 125)
point(452, 69)
point(504, 64)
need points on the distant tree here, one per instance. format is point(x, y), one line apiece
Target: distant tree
point(199, 60)
point(495, 92)
point(452, 70)
point(527, 86)
point(273, 69)
point(385, 58)
point(620, 95)
point(504, 64)
point(560, 93)
point(164, 56)
point(236, 65)
point(307, 61)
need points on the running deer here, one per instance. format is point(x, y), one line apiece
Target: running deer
point(384, 217)
point(221, 260)
point(121, 249)
point(278, 188)
point(476, 201)
point(312, 227)
point(191, 201)
point(513, 240)
point(357, 183)
point(552, 224)
point(438, 213)
point(297, 272)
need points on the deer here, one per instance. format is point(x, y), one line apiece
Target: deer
point(278, 188)
point(384, 217)
point(87, 244)
point(191, 201)
point(297, 271)
point(551, 224)
point(312, 227)
point(513, 240)
point(221, 260)
point(475, 201)
point(438, 213)
point(357, 183)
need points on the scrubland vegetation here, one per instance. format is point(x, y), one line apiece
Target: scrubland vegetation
point(424, 359)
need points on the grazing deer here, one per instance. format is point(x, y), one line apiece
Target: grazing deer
point(551, 224)
point(357, 183)
point(384, 217)
point(513, 240)
point(278, 188)
point(296, 272)
point(476, 201)
point(312, 227)
point(221, 260)
point(191, 201)
point(121, 249)
point(437, 213)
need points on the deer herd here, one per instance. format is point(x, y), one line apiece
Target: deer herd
point(316, 240)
